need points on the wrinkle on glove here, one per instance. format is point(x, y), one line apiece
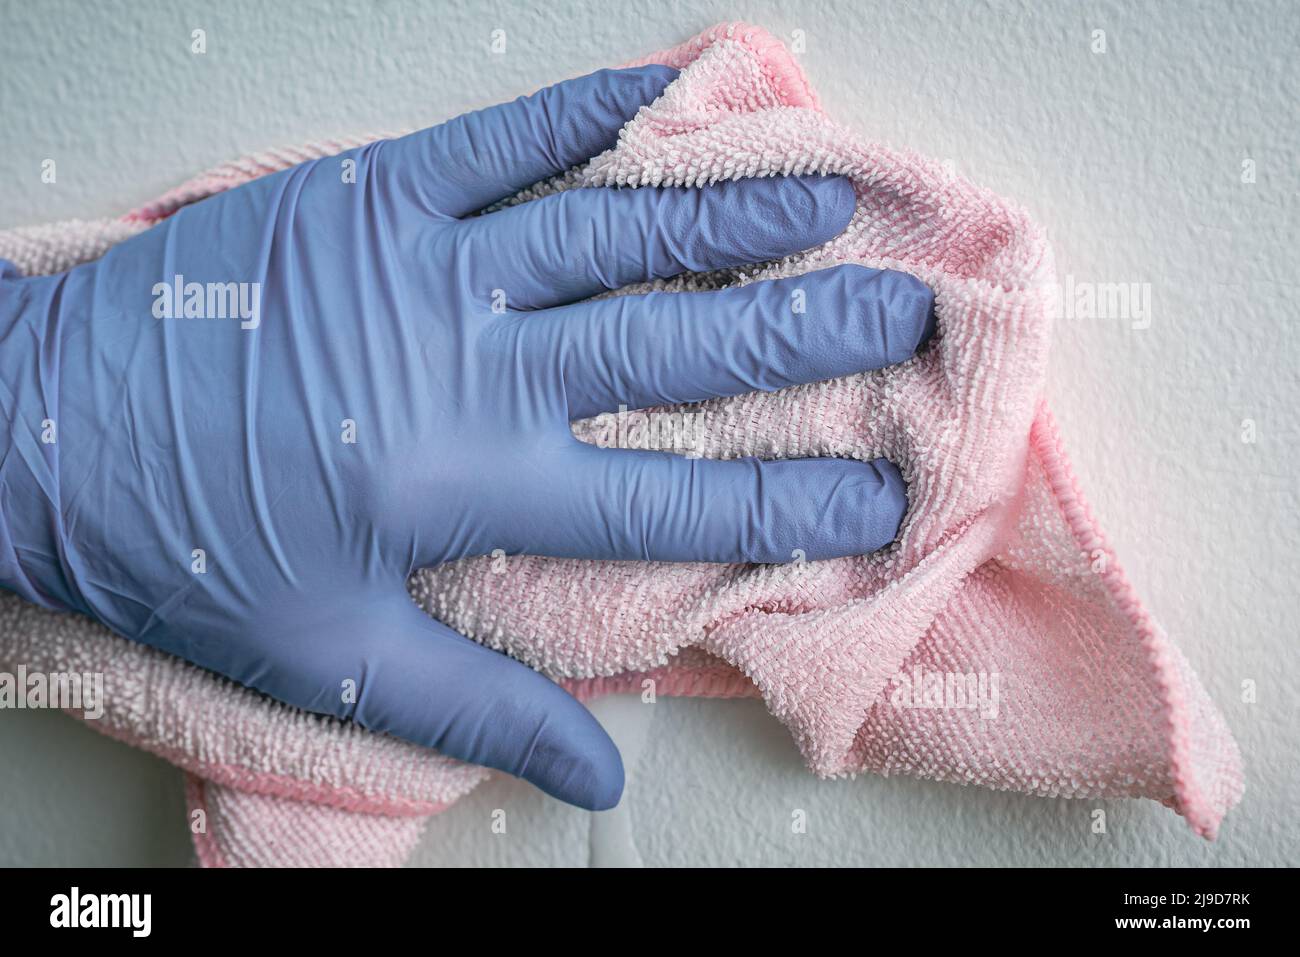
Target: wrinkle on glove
point(999, 568)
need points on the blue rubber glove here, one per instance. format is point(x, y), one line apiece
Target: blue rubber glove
point(393, 388)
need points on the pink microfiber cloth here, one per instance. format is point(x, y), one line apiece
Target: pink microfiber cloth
point(999, 574)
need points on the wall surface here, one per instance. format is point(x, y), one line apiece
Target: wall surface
point(1136, 160)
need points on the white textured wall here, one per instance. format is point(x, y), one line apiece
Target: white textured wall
point(1132, 159)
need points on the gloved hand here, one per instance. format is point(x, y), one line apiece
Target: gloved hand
point(393, 388)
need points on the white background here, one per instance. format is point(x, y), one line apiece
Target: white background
point(1131, 158)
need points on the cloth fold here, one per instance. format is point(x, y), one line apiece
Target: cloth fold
point(997, 643)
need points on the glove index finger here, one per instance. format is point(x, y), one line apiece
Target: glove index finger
point(478, 158)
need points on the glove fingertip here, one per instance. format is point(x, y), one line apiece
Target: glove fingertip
point(833, 204)
point(629, 89)
point(575, 760)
